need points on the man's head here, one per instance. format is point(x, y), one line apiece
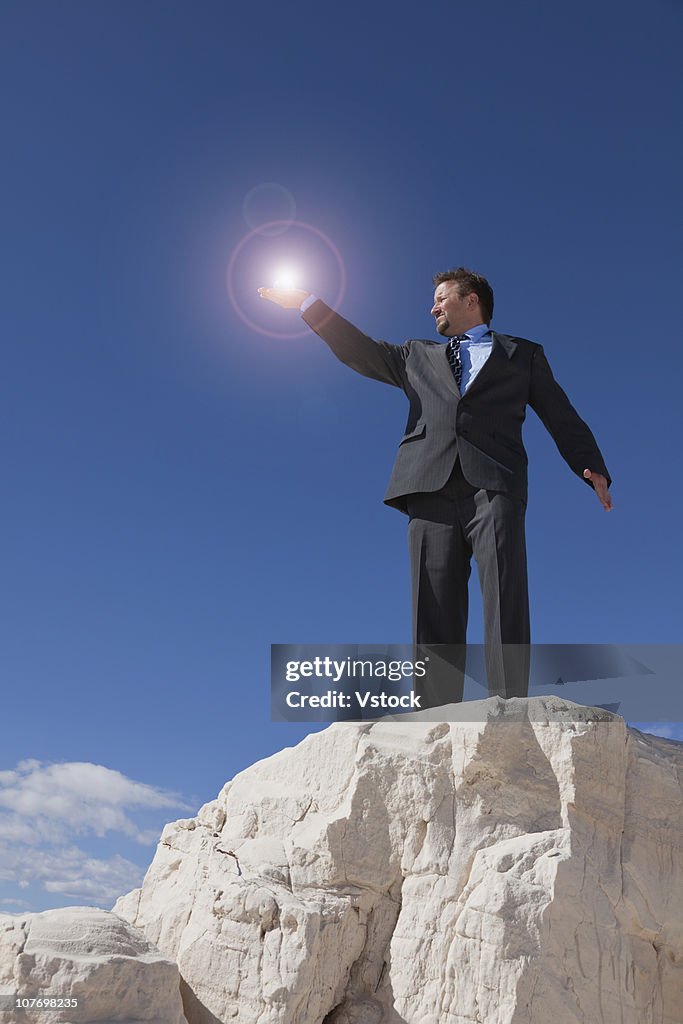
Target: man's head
point(462, 299)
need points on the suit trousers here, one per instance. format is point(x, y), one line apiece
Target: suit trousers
point(448, 527)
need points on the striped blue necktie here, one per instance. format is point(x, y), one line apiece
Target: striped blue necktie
point(454, 357)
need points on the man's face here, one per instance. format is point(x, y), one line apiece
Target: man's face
point(453, 314)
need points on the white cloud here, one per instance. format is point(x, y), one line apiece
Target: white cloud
point(60, 801)
point(45, 808)
point(69, 871)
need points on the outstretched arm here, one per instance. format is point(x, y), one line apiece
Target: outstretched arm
point(571, 434)
point(375, 359)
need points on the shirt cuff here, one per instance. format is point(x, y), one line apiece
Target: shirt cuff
point(307, 302)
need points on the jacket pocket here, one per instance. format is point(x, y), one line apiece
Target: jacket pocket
point(414, 435)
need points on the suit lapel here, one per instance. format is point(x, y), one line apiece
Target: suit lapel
point(502, 350)
point(505, 341)
point(439, 359)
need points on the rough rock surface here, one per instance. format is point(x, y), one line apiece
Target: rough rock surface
point(502, 871)
point(92, 956)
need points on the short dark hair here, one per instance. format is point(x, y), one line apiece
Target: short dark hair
point(468, 281)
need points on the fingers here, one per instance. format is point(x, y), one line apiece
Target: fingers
point(604, 496)
point(273, 295)
point(289, 298)
point(601, 489)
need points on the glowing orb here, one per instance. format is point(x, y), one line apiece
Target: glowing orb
point(237, 259)
point(287, 279)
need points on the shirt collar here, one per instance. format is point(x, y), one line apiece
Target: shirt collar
point(476, 334)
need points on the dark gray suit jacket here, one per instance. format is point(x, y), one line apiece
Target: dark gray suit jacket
point(483, 426)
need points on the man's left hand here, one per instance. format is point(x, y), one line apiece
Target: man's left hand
point(601, 489)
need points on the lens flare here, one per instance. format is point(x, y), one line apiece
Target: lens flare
point(236, 263)
point(269, 208)
point(287, 279)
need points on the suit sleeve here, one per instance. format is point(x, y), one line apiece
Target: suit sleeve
point(573, 437)
point(375, 359)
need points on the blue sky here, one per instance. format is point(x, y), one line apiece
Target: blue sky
point(181, 490)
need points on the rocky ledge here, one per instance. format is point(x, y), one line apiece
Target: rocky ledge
point(523, 868)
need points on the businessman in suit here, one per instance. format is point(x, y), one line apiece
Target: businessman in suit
point(460, 473)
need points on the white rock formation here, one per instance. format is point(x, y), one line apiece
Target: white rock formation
point(503, 871)
point(89, 955)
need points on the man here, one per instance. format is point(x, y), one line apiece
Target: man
point(461, 469)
